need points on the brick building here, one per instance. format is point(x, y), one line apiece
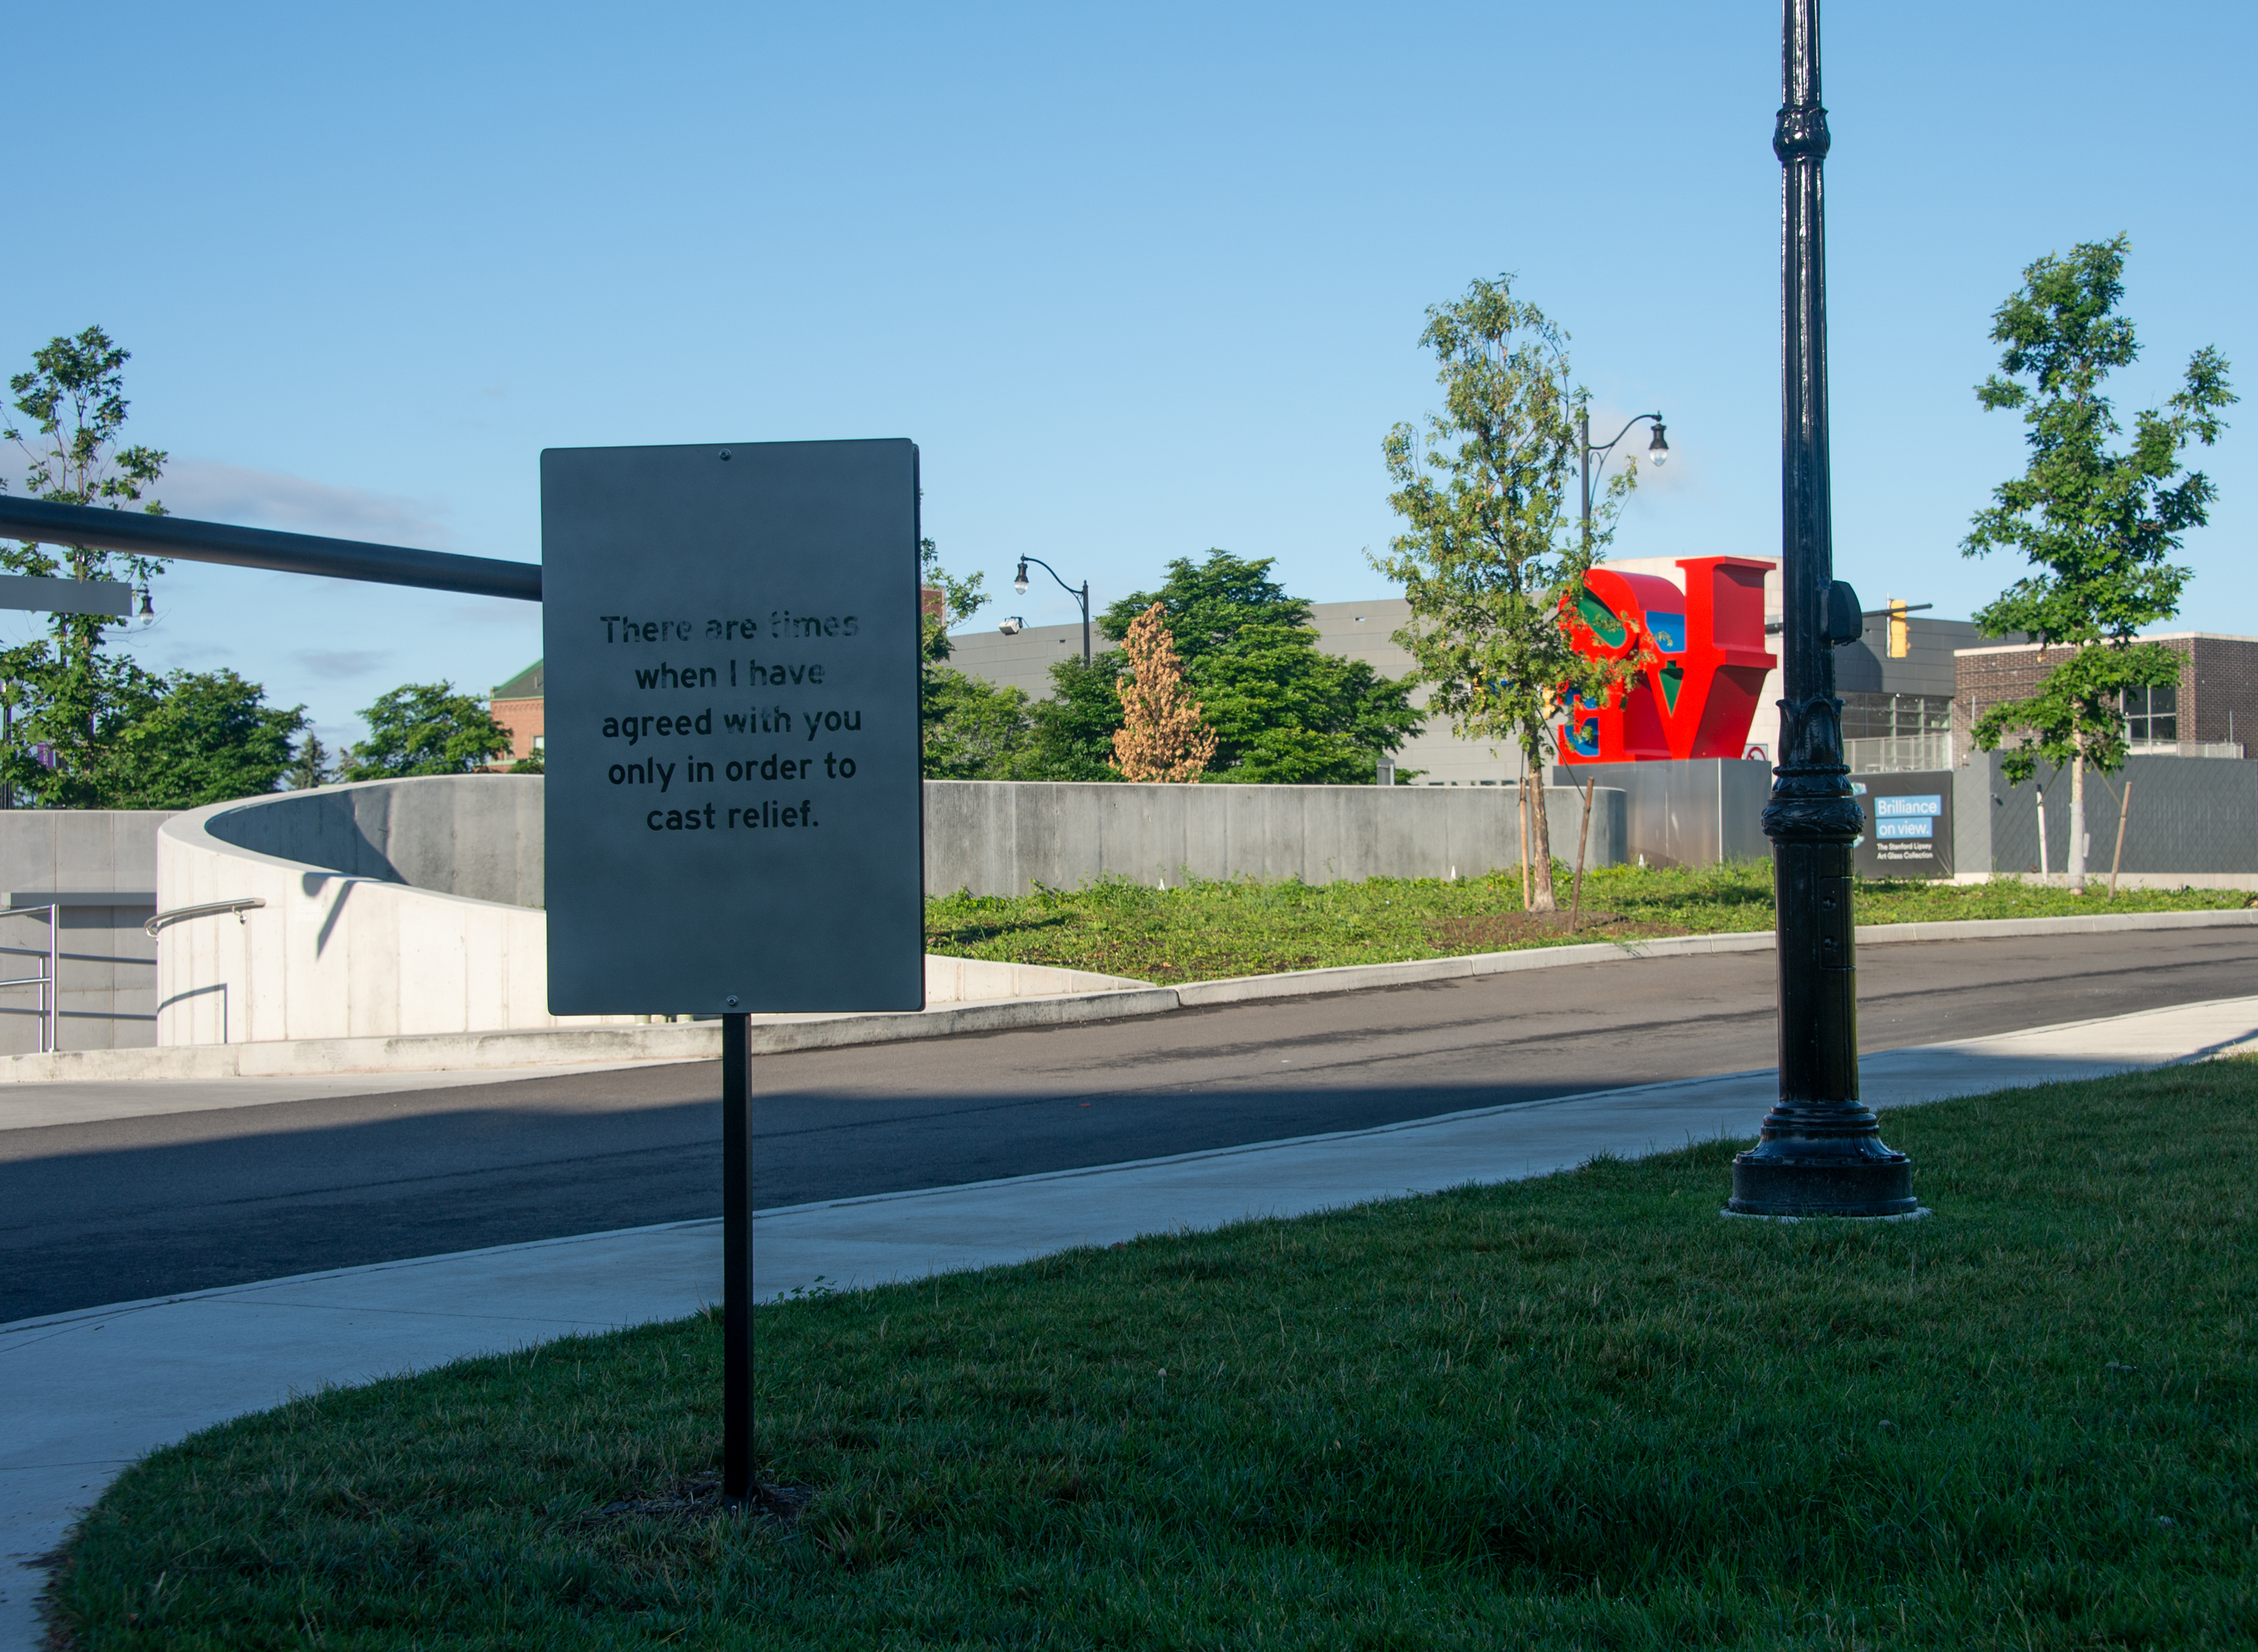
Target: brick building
point(516, 706)
point(2211, 712)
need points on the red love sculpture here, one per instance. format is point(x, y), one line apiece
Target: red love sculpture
point(1702, 662)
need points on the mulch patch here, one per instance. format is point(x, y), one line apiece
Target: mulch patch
point(1495, 932)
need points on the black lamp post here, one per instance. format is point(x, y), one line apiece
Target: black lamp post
point(1019, 585)
point(1658, 450)
point(1821, 1151)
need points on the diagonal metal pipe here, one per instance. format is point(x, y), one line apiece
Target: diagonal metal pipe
point(145, 536)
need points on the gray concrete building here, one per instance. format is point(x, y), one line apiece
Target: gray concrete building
point(97, 868)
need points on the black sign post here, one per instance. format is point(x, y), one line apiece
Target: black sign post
point(733, 798)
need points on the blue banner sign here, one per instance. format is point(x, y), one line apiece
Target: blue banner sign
point(1932, 806)
point(1908, 824)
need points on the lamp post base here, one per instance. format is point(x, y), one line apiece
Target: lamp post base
point(1852, 1175)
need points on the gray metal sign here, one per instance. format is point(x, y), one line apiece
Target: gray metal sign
point(730, 643)
point(66, 596)
point(1908, 824)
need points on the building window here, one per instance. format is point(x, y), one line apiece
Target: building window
point(1886, 733)
point(1895, 716)
point(2151, 716)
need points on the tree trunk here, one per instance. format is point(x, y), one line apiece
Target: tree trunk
point(1539, 846)
point(2074, 863)
point(1520, 838)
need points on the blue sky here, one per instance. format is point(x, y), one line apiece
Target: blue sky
point(1139, 280)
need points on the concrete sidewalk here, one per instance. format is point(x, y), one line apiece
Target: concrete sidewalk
point(87, 1391)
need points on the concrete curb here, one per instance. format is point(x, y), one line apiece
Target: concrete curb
point(533, 1048)
point(1358, 977)
point(1064, 1008)
point(1300, 984)
point(2098, 924)
point(403, 1052)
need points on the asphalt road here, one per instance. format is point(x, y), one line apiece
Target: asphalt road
point(127, 1209)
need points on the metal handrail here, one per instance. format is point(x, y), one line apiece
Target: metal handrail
point(209, 909)
point(46, 984)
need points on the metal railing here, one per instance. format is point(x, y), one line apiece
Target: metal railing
point(209, 909)
point(46, 984)
point(1897, 754)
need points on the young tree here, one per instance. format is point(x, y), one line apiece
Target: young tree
point(2098, 526)
point(1161, 736)
point(1494, 560)
point(74, 396)
point(426, 728)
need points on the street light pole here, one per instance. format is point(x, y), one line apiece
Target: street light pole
point(1019, 585)
point(1821, 1151)
point(1658, 450)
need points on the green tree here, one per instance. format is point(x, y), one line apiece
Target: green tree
point(972, 730)
point(73, 696)
point(202, 737)
point(426, 728)
point(975, 730)
point(1072, 732)
point(1283, 711)
point(952, 599)
point(1494, 558)
point(78, 714)
point(175, 741)
point(310, 765)
point(2098, 526)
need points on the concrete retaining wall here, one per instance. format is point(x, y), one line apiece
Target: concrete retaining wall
point(107, 965)
point(1002, 837)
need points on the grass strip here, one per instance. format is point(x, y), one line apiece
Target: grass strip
point(1202, 929)
point(1580, 1411)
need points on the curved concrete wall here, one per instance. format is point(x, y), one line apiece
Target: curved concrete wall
point(398, 906)
point(392, 907)
point(474, 836)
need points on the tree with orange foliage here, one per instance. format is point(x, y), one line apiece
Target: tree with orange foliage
point(1161, 736)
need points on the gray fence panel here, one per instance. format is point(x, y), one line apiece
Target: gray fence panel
point(2187, 814)
point(1004, 837)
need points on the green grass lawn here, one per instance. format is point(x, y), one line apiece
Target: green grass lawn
point(1577, 1411)
point(1207, 931)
